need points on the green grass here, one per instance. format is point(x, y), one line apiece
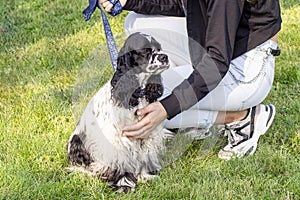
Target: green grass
point(45, 50)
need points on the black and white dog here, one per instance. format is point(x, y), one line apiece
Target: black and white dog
point(96, 145)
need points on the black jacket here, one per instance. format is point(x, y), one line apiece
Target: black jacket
point(219, 31)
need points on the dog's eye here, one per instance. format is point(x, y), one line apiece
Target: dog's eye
point(146, 52)
point(149, 51)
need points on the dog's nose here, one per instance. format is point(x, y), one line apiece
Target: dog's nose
point(162, 57)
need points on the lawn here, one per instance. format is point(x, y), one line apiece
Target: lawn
point(49, 62)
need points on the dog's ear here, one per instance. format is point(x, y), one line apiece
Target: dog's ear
point(124, 82)
point(123, 66)
point(154, 88)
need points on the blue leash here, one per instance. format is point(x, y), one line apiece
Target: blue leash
point(111, 45)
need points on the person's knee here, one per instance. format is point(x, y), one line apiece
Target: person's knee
point(129, 23)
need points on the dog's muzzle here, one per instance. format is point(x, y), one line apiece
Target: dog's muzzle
point(160, 60)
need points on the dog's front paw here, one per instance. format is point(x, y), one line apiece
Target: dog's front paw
point(124, 189)
point(126, 183)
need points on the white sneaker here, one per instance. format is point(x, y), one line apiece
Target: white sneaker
point(243, 135)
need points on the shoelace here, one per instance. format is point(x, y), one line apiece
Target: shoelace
point(111, 45)
point(236, 136)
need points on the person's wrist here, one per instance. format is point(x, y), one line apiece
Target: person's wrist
point(164, 113)
point(123, 2)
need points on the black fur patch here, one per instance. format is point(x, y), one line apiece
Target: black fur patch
point(154, 88)
point(78, 155)
point(111, 175)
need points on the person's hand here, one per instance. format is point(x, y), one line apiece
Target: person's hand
point(108, 6)
point(152, 115)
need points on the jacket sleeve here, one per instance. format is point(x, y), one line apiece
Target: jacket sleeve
point(210, 61)
point(156, 7)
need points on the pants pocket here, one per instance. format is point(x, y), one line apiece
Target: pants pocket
point(249, 67)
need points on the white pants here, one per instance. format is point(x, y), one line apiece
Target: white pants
point(246, 84)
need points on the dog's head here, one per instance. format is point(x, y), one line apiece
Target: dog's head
point(141, 53)
point(140, 63)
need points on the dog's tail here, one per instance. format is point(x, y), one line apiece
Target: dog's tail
point(78, 155)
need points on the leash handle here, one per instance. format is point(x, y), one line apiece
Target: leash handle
point(116, 9)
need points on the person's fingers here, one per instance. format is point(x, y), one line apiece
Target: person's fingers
point(151, 116)
point(144, 111)
point(146, 132)
point(136, 133)
point(140, 133)
point(134, 127)
point(107, 6)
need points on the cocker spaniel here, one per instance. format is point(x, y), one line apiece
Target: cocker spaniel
point(96, 145)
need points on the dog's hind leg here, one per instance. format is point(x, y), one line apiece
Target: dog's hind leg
point(78, 155)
